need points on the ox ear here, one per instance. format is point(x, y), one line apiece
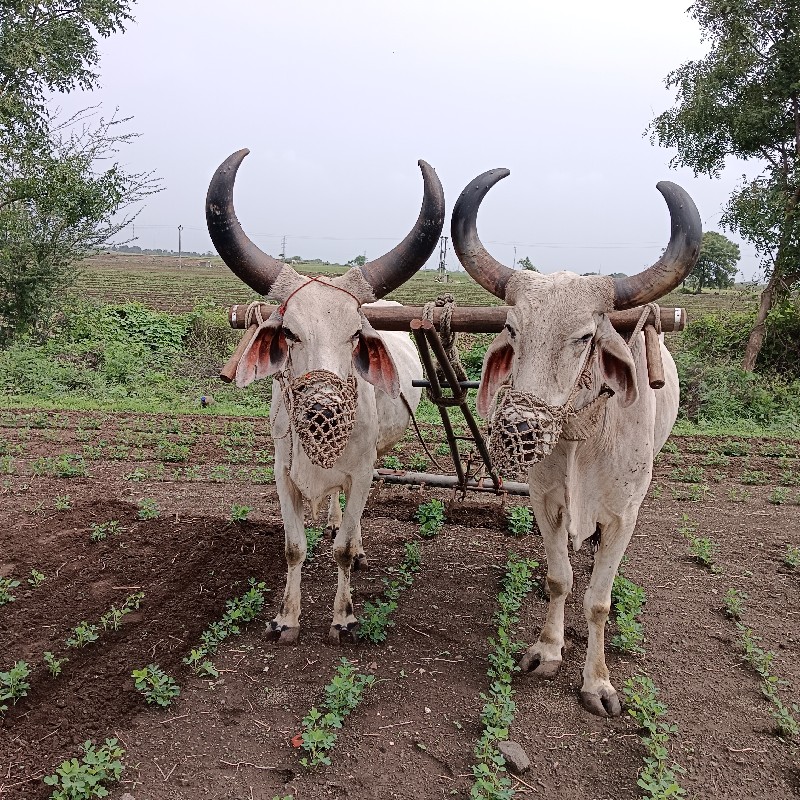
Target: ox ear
point(373, 361)
point(495, 372)
point(265, 354)
point(616, 363)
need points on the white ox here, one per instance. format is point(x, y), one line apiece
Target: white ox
point(558, 352)
point(320, 329)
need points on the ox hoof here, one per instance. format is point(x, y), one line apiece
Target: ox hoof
point(601, 706)
point(289, 636)
point(532, 663)
point(361, 563)
point(330, 532)
point(337, 631)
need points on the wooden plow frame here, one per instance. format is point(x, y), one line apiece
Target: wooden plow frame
point(466, 319)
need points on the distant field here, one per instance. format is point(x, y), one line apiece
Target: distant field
point(158, 282)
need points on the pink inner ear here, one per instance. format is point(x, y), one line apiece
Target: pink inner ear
point(265, 355)
point(496, 371)
point(374, 363)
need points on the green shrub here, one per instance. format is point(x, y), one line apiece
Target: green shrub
point(84, 779)
point(157, 687)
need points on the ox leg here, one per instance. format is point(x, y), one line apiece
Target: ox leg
point(545, 656)
point(334, 517)
point(346, 548)
point(597, 693)
point(286, 624)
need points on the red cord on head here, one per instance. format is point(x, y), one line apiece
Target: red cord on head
point(315, 279)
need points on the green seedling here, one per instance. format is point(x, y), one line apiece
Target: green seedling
point(262, 475)
point(83, 634)
point(659, 776)
point(137, 475)
point(733, 603)
point(489, 772)
point(240, 513)
point(6, 585)
point(779, 496)
point(418, 463)
point(430, 516)
point(54, 664)
point(36, 578)
point(14, 684)
point(792, 557)
point(221, 473)
point(63, 502)
point(754, 477)
point(702, 549)
point(169, 451)
point(627, 598)
point(342, 695)
point(738, 494)
point(148, 508)
point(87, 778)
point(238, 611)
point(313, 538)
point(690, 474)
point(157, 687)
point(520, 520)
point(112, 619)
point(392, 462)
point(101, 530)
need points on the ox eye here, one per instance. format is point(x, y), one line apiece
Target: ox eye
point(292, 337)
point(586, 337)
point(511, 332)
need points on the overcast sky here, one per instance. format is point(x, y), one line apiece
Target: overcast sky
point(338, 101)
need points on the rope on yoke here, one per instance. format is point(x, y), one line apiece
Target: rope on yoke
point(643, 317)
point(449, 341)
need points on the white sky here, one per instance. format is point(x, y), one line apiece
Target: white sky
point(337, 101)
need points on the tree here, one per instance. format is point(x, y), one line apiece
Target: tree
point(526, 263)
point(716, 265)
point(358, 261)
point(743, 100)
point(60, 190)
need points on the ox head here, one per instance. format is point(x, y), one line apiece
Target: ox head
point(558, 321)
point(319, 321)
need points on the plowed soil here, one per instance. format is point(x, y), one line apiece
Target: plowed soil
point(414, 734)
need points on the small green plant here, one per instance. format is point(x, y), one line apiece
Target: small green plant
point(221, 473)
point(169, 451)
point(148, 508)
point(6, 585)
point(313, 538)
point(238, 611)
point(787, 725)
point(262, 475)
point(240, 513)
point(418, 463)
point(715, 459)
point(670, 447)
point(738, 494)
point(342, 695)
point(659, 776)
point(392, 462)
point(733, 447)
point(733, 603)
point(754, 477)
point(101, 530)
point(14, 684)
point(63, 502)
point(63, 466)
point(36, 578)
point(520, 520)
point(6, 465)
point(489, 772)
point(54, 664)
point(779, 496)
point(82, 634)
point(137, 475)
point(690, 474)
point(85, 779)
point(376, 614)
point(792, 557)
point(702, 549)
point(430, 516)
point(627, 598)
point(157, 687)
point(112, 619)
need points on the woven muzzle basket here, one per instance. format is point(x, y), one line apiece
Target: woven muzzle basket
point(323, 411)
point(523, 431)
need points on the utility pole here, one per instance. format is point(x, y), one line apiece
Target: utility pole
point(442, 256)
point(282, 255)
point(514, 265)
point(180, 228)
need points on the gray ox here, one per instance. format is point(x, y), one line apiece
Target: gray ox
point(320, 329)
point(557, 354)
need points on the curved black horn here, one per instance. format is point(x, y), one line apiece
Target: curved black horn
point(676, 262)
point(488, 272)
point(395, 267)
point(248, 262)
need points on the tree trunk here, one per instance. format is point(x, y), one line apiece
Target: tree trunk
point(760, 328)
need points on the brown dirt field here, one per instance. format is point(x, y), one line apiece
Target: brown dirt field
point(414, 734)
